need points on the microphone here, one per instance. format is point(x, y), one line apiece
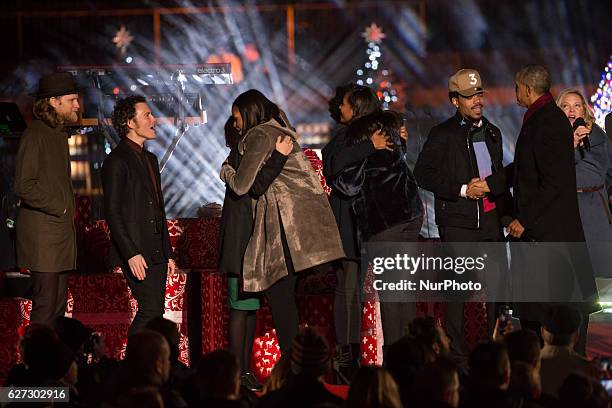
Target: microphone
point(584, 143)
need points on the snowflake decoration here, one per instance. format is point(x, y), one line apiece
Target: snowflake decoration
point(373, 34)
point(123, 38)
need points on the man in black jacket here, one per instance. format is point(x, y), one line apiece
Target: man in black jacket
point(134, 209)
point(459, 155)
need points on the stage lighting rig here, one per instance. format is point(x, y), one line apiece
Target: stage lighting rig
point(173, 91)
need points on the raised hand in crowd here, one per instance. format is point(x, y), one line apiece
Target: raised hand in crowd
point(502, 329)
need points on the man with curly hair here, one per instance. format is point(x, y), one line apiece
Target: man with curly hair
point(134, 210)
point(46, 243)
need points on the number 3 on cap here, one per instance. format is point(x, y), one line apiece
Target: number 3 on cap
point(473, 80)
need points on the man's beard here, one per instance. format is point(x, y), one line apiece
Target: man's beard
point(68, 117)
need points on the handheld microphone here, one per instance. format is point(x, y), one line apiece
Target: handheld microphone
point(585, 143)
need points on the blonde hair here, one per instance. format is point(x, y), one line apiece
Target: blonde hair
point(44, 111)
point(589, 118)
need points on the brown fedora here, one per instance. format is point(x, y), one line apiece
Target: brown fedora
point(56, 84)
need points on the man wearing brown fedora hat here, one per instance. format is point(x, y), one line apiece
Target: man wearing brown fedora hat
point(457, 157)
point(46, 242)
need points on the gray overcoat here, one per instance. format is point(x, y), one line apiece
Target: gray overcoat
point(591, 168)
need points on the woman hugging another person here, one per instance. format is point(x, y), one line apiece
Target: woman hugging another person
point(386, 205)
point(293, 227)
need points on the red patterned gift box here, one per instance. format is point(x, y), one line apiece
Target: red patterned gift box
point(14, 317)
point(198, 246)
point(198, 250)
point(105, 303)
point(176, 311)
point(215, 313)
point(176, 294)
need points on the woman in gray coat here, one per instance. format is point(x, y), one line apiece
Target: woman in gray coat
point(592, 162)
point(294, 228)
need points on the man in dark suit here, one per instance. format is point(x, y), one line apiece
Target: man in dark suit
point(134, 209)
point(544, 183)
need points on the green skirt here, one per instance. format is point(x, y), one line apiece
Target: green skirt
point(234, 301)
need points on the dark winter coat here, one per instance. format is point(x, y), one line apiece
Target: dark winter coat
point(546, 203)
point(336, 157)
point(447, 161)
point(544, 178)
point(46, 240)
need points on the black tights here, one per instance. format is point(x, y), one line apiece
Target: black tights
point(242, 325)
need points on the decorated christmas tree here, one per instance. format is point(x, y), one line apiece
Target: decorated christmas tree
point(602, 99)
point(371, 73)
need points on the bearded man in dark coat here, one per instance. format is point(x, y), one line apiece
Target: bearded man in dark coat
point(46, 243)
